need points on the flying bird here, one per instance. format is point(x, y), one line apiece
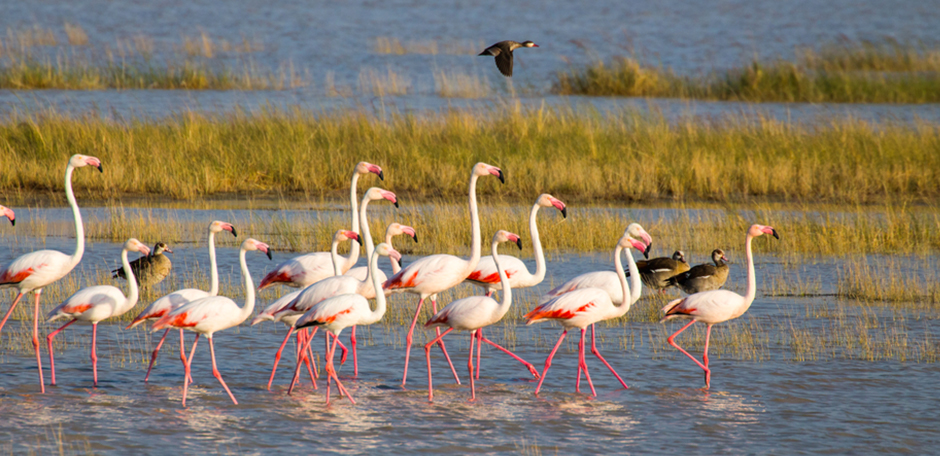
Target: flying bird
point(503, 53)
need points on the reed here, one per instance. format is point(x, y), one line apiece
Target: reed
point(850, 72)
point(625, 156)
point(394, 46)
point(900, 281)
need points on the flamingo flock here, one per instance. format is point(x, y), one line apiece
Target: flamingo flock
point(334, 295)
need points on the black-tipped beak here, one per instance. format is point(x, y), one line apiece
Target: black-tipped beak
point(381, 176)
point(519, 243)
point(775, 234)
point(233, 232)
point(13, 222)
point(100, 169)
point(564, 212)
point(502, 178)
point(270, 257)
point(415, 237)
point(646, 253)
point(359, 240)
point(396, 204)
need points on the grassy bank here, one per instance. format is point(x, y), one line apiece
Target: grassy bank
point(865, 72)
point(618, 157)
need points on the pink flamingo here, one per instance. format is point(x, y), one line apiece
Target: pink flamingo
point(164, 305)
point(33, 271)
point(276, 311)
point(433, 274)
point(336, 313)
point(207, 316)
point(304, 270)
point(8, 213)
point(96, 303)
point(716, 306)
point(474, 313)
point(586, 306)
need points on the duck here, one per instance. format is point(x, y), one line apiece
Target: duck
point(503, 53)
point(656, 272)
point(151, 269)
point(704, 277)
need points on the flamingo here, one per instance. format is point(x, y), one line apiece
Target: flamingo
point(304, 270)
point(716, 306)
point(33, 271)
point(474, 313)
point(165, 304)
point(433, 274)
point(273, 311)
point(8, 213)
point(209, 315)
point(338, 312)
point(96, 303)
point(342, 284)
point(586, 306)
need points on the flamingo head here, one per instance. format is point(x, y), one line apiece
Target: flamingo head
point(529, 44)
point(219, 226)
point(387, 250)
point(345, 235)
point(366, 168)
point(482, 169)
point(161, 247)
point(375, 193)
point(757, 230)
point(719, 255)
point(504, 236)
point(79, 160)
point(678, 255)
point(133, 245)
point(8, 213)
point(396, 229)
point(635, 236)
point(546, 200)
point(254, 244)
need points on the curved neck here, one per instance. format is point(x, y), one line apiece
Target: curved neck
point(396, 266)
point(506, 299)
point(379, 311)
point(354, 205)
point(475, 226)
point(751, 279)
point(636, 284)
point(618, 268)
point(133, 291)
point(79, 227)
point(249, 306)
point(537, 246)
point(213, 267)
point(337, 260)
point(366, 233)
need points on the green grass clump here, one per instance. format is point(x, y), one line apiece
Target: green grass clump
point(849, 73)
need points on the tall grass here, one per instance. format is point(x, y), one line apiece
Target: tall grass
point(862, 72)
point(622, 156)
point(391, 45)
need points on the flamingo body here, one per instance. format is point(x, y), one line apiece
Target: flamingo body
point(165, 304)
point(603, 280)
point(36, 270)
point(575, 309)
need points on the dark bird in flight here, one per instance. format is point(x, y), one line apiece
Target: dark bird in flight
point(503, 53)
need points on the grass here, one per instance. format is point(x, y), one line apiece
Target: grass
point(394, 46)
point(36, 58)
point(850, 72)
point(623, 156)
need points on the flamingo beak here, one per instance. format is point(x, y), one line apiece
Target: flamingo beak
point(777, 236)
point(646, 253)
point(411, 232)
point(230, 227)
point(519, 242)
point(395, 255)
point(378, 172)
point(8, 213)
point(94, 162)
point(144, 250)
point(355, 236)
point(498, 173)
point(268, 252)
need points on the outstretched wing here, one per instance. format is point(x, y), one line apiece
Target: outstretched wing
point(504, 63)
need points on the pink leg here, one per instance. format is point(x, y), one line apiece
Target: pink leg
point(183, 353)
point(583, 363)
point(529, 366)
point(598, 354)
point(153, 356)
point(277, 356)
point(473, 391)
point(10, 312)
point(42, 383)
point(313, 359)
point(671, 340)
point(94, 352)
point(708, 372)
point(216, 374)
point(441, 344)
point(332, 372)
point(306, 346)
point(548, 362)
point(352, 344)
point(303, 353)
point(427, 354)
point(51, 353)
point(408, 339)
point(479, 349)
point(186, 368)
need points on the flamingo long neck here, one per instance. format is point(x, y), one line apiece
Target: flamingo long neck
point(506, 299)
point(751, 279)
point(337, 260)
point(636, 284)
point(366, 233)
point(537, 246)
point(77, 215)
point(133, 292)
point(213, 267)
point(475, 226)
point(249, 306)
point(396, 266)
point(379, 311)
point(618, 268)
point(354, 204)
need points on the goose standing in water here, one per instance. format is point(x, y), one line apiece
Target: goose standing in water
point(503, 53)
point(151, 269)
point(657, 272)
point(704, 277)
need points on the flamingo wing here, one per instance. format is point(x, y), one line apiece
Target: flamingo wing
point(165, 304)
point(584, 303)
point(36, 269)
point(466, 314)
point(437, 272)
point(710, 307)
point(604, 280)
point(214, 313)
point(90, 304)
point(300, 271)
point(271, 309)
point(487, 275)
point(324, 289)
point(337, 312)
